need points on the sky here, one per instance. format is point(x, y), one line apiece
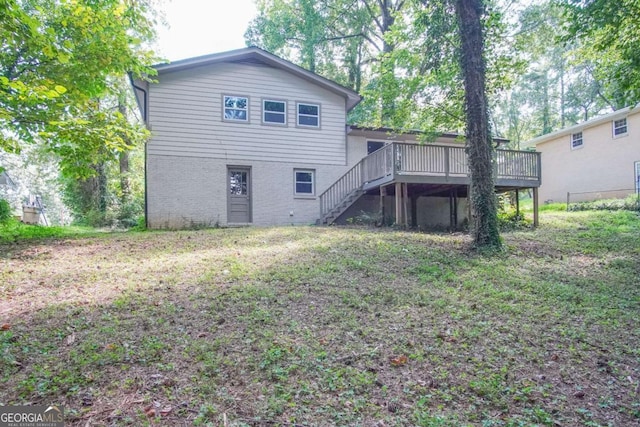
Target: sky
point(200, 27)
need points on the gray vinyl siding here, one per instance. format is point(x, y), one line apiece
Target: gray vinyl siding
point(185, 117)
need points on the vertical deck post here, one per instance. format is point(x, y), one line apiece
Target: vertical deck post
point(398, 199)
point(383, 193)
point(535, 207)
point(405, 200)
point(517, 202)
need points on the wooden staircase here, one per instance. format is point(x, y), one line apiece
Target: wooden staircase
point(341, 195)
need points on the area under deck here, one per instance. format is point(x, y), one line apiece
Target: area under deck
point(409, 171)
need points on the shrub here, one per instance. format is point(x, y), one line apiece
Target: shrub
point(5, 211)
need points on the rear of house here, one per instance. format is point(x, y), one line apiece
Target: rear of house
point(596, 159)
point(241, 138)
point(247, 138)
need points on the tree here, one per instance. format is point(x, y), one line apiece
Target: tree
point(479, 142)
point(57, 60)
point(609, 35)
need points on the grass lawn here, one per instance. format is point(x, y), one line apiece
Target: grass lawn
point(327, 326)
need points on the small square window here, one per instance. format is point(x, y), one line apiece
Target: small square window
point(304, 182)
point(274, 112)
point(576, 140)
point(236, 108)
point(309, 115)
point(620, 127)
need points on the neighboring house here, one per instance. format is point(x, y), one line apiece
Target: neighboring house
point(596, 159)
point(244, 137)
point(5, 180)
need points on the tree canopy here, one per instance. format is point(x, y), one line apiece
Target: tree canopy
point(59, 61)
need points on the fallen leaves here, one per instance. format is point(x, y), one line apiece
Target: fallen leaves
point(5, 326)
point(399, 360)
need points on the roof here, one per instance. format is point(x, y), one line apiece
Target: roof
point(393, 132)
point(257, 55)
point(596, 121)
point(5, 179)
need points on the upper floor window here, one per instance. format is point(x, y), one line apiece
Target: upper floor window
point(236, 108)
point(274, 112)
point(304, 182)
point(309, 115)
point(620, 127)
point(576, 140)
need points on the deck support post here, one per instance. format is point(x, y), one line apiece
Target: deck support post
point(453, 209)
point(405, 202)
point(398, 200)
point(517, 202)
point(535, 207)
point(383, 193)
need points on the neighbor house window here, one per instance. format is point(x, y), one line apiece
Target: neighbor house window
point(304, 182)
point(274, 112)
point(308, 115)
point(576, 140)
point(236, 108)
point(620, 127)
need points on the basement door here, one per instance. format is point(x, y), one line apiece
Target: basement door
point(239, 202)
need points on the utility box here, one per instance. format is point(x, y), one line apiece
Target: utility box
point(31, 214)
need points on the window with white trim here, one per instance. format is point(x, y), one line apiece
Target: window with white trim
point(308, 115)
point(576, 140)
point(236, 108)
point(304, 182)
point(274, 112)
point(620, 127)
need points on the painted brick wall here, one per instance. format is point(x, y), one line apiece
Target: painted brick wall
point(191, 191)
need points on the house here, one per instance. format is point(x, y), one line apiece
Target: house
point(596, 159)
point(5, 180)
point(245, 137)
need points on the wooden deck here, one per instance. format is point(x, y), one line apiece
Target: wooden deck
point(426, 164)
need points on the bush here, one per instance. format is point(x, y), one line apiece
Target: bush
point(630, 203)
point(5, 211)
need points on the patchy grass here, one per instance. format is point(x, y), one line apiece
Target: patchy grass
point(328, 326)
point(14, 231)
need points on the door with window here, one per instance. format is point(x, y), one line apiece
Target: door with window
point(239, 202)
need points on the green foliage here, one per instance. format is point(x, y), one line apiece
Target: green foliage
point(13, 230)
point(609, 33)
point(58, 59)
point(5, 211)
point(630, 203)
point(400, 55)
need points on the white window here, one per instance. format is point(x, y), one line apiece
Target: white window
point(620, 127)
point(308, 115)
point(304, 182)
point(236, 108)
point(274, 112)
point(576, 140)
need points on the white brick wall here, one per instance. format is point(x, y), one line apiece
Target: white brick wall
point(190, 191)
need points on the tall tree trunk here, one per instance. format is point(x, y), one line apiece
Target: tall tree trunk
point(123, 160)
point(480, 150)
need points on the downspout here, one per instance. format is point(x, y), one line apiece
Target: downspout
point(144, 119)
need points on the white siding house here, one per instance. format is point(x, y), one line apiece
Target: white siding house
point(596, 159)
point(241, 137)
point(245, 137)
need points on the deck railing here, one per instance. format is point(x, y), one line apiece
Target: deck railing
point(426, 160)
point(341, 189)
